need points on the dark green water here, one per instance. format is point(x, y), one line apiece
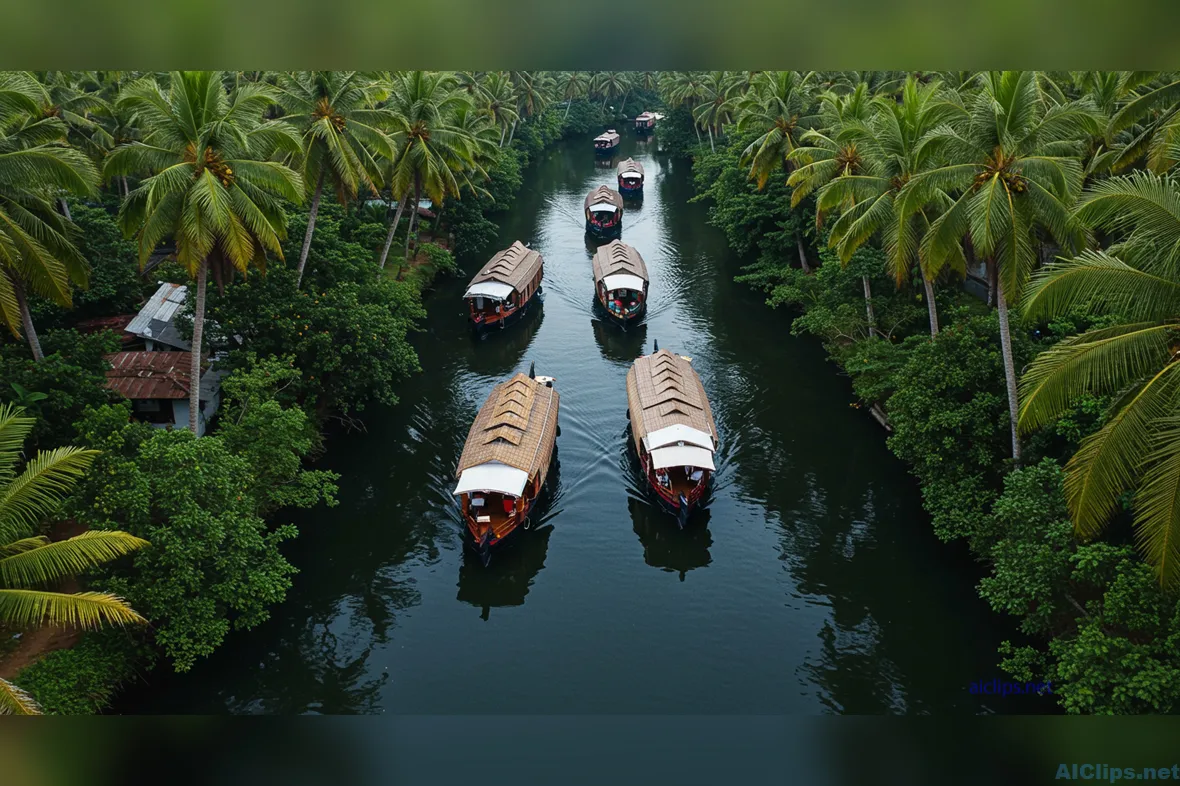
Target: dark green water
point(814, 585)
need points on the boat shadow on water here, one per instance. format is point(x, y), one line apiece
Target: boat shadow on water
point(498, 351)
point(616, 342)
point(665, 546)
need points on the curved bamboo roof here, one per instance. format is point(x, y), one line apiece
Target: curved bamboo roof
point(618, 257)
point(630, 165)
point(515, 266)
point(516, 426)
point(603, 194)
point(663, 390)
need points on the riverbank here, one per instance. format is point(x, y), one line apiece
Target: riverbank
point(311, 356)
point(1092, 618)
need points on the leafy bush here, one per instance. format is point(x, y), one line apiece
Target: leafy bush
point(82, 680)
point(56, 391)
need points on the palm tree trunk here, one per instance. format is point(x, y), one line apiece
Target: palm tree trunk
point(1009, 368)
point(513, 131)
point(397, 218)
point(26, 318)
point(623, 104)
point(568, 103)
point(991, 285)
point(711, 146)
point(194, 395)
point(931, 307)
point(503, 132)
point(315, 209)
point(413, 220)
point(802, 254)
point(123, 183)
point(65, 208)
point(869, 306)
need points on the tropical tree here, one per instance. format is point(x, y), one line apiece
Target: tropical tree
point(36, 249)
point(209, 188)
point(344, 137)
point(716, 106)
point(29, 562)
point(779, 108)
point(430, 149)
point(1014, 165)
point(684, 89)
point(572, 85)
point(610, 85)
point(873, 160)
point(1147, 126)
point(498, 99)
point(1137, 280)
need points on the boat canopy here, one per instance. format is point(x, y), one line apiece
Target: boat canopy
point(623, 281)
point(678, 433)
point(617, 259)
point(631, 175)
point(603, 208)
point(602, 196)
point(682, 456)
point(513, 268)
point(489, 289)
point(492, 476)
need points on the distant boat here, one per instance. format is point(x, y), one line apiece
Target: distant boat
point(605, 143)
point(506, 459)
point(673, 429)
point(645, 123)
point(502, 291)
point(604, 212)
point(620, 281)
point(630, 174)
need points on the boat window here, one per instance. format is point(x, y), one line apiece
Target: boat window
point(479, 303)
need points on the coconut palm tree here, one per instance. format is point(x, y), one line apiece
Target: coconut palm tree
point(572, 85)
point(684, 89)
point(344, 137)
point(1137, 279)
point(1147, 126)
point(209, 188)
point(717, 106)
point(532, 90)
point(430, 149)
point(873, 159)
point(610, 85)
point(499, 100)
point(1015, 166)
point(780, 107)
point(30, 562)
point(36, 249)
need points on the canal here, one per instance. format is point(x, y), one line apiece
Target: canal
point(814, 584)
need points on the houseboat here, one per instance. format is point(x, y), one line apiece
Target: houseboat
point(630, 177)
point(503, 289)
point(673, 429)
point(506, 460)
point(605, 143)
point(645, 123)
point(620, 281)
point(604, 212)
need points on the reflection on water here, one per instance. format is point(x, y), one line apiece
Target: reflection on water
point(618, 343)
point(664, 545)
point(817, 585)
point(506, 581)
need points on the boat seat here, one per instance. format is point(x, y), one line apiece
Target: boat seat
point(483, 519)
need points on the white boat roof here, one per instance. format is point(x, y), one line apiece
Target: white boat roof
point(623, 281)
point(632, 174)
point(495, 290)
point(678, 433)
point(492, 476)
point(608, 136)
point(682, 456)
point(602, 207)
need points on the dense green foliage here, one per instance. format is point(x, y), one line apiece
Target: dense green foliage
point(83, 679)
point(899, 174)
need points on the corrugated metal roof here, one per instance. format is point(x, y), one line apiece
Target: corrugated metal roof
point(161, 307)
point(150, 375)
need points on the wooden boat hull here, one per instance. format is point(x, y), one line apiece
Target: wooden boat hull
point(489, 325)
point(621, 319)
point(596, 231)
point(605, 150)
point(679, 506)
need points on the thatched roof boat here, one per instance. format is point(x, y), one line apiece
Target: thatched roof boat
point(619, 266)
point(629, 167)
point(607, 141)
point(503, 289)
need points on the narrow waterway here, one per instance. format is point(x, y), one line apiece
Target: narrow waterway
point(812, 585)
